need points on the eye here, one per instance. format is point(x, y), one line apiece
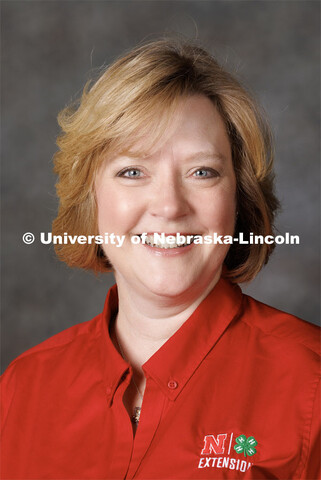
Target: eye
point(206, 172)
point(131, 173)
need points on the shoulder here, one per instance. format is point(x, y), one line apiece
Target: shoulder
point(289, 349)
point(55, 348)
point(283, 328)
point(50, 366)
point(73, 355)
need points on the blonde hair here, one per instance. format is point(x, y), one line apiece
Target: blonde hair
point(137, 95)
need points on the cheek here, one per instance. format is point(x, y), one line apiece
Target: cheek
point(217, 210)
point(116, 210)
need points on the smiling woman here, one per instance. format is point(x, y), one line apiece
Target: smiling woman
point(182, 376)
point(129, 113)
point(174, 189)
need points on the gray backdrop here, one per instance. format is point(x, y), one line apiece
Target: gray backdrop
point(48, 51)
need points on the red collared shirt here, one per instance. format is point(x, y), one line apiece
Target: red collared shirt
point(232, 394)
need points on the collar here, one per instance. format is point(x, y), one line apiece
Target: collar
point(176, 361)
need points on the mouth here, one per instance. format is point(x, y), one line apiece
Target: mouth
point(167, 241)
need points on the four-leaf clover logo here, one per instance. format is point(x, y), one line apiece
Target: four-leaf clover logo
point(245, 445)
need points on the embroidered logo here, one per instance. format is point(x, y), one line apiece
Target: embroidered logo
point(214, 444)
point(217, 451)
point(245, 445)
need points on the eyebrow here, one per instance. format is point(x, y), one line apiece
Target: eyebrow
point(197, 156)
point(207, 155)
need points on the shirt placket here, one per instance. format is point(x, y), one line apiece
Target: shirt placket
point(151, 414)
point(123, 441)
point(129, 451)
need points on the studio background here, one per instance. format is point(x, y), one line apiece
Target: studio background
point(49, 49)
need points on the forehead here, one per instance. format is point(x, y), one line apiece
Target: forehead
point(195, 127)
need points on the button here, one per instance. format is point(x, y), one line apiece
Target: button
point(108, 390)
point(172, 384)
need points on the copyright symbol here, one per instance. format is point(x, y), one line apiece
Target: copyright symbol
point(28, 238)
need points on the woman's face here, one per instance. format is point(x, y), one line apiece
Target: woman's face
point(186, 186)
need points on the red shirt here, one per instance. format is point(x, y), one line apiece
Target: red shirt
point(232, 394)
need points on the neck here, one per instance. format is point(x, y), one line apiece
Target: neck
point(145, 323)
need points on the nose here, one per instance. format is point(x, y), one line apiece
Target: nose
point(169, 199)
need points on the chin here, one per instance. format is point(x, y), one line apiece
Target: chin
point(173, 286)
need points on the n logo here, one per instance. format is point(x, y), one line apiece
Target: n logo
point(214, 444)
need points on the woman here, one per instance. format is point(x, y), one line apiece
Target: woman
point(182, 376)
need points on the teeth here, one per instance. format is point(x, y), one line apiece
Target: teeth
point(156, 241)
